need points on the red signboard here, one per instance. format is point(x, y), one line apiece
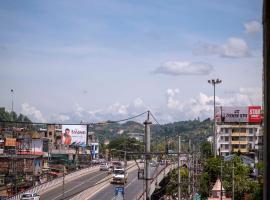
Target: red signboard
point(254, 114)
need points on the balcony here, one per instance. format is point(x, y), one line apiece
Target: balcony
point(239, 142)
point(223, 142)
point(239, 134)
point(241, 150)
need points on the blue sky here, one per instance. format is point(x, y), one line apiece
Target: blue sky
point(100, 60)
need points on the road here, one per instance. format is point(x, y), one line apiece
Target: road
point(133, 188)
point(74, 187)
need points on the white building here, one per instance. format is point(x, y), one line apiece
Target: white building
point(239, 129)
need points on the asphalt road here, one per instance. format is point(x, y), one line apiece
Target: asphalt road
point(74, 187)
point(133, 188)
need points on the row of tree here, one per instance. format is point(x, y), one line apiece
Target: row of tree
point(12, 116)
point(245, 185)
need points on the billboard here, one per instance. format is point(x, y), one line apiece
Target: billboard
point(74, 135)
point(10, 142)
point(37, 146)
point(238, 114)
point(254, 114)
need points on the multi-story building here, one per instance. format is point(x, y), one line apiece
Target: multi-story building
point(239, 129)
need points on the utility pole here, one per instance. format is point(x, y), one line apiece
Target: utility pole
point(12, 96)
point(214, 83)
point(189, 172)
point(233, 182)
point(179, 174)
point(63, 188)
point(221, 171)
point(147, 154)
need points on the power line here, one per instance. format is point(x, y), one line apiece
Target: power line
point(106, 122)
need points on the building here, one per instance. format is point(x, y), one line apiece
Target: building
point(239, 129)
point(138, 136)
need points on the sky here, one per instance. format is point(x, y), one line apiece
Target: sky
point(95, 60)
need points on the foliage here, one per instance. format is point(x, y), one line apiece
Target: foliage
point(119, 145)
point(12, 116)
point(206, 149)
point(242, 177)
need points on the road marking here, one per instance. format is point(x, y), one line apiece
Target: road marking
point(66, 191)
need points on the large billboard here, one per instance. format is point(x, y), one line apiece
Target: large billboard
point(251, 114)
point(74, 135)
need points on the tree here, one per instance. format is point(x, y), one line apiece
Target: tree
point(206, 149)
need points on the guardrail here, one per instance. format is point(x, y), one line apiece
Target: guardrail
point(45, 187)
point(158, 178)
point(86, 194)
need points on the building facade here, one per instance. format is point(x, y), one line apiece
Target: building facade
point(239, 129)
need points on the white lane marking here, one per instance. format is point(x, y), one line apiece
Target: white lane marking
point(66, 191)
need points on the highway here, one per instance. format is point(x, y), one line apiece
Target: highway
point(74, 187)
point(133, 187)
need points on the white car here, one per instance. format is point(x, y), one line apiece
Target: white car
point(30, 196)
point(104, 167)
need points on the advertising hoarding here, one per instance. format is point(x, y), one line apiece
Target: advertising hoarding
point(234, 114)
point(10, 142)
point(37, 146)
point(74, 135)
point(250, 114)
point(254, 114)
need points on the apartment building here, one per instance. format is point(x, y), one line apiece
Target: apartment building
point(239, 129)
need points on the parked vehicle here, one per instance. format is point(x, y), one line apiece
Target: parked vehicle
point(30, 196)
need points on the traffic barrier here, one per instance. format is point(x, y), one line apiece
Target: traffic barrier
point(45, 187)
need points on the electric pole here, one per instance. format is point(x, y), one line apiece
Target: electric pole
point(179, 174)
point(147, 154)
point(189, 172)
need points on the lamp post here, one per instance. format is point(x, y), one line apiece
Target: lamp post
point(214, 82)
point(12, 94)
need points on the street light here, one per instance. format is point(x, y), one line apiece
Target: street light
point(214, 82)
point(12, 94)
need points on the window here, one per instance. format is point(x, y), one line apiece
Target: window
point(250, 139)
point(226, 139)
point(226, 146)
point(226, 130)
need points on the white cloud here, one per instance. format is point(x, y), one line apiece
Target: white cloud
point(32, 112)
point(177, 68)
point(175, 109)
point(202, 105)
point(60, 118)
point(233, 48)
point(138, 102)
point(252, 27)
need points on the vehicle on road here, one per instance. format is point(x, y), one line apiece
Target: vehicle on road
point(30, 196)
point(104, 167)
point(120, 175)
point(153, 163)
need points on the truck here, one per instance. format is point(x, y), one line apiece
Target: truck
point(119, 176)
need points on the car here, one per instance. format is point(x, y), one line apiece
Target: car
point(104, 167)
point(153, 163)
point(30, 196)
point(120, 176)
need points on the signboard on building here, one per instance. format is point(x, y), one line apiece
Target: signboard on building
point(74, 135)
point(238, 114)
point(10, 142)
point(37, 147)
point(254, 114)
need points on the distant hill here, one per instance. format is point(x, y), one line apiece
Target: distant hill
point(195, 129)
